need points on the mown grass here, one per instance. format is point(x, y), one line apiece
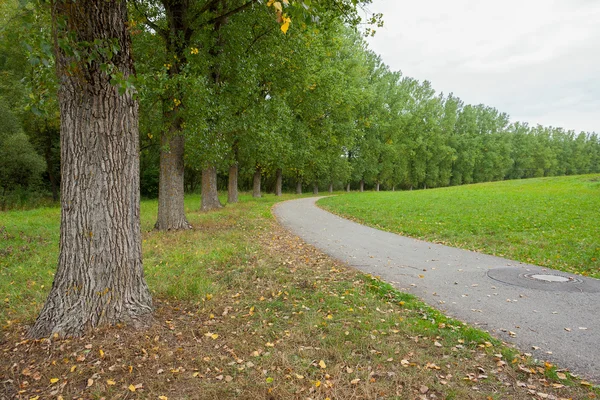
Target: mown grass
point(553, 222)
point(246, 310)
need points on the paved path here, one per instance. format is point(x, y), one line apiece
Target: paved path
point(556, 321)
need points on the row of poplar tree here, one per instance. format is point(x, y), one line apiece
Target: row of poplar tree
point(130, 90)
point(306, 105)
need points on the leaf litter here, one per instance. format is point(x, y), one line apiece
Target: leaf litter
point(285, 323)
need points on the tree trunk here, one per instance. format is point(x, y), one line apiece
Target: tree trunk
point(315, 188)
point(171, 184)
point(232, 187)
point(100, 277)
point(256, 183)
point(210, 194)
point(362, 185)
point(278, 182)
point(48, 156)
point(171, 209)
point(377, 187)
point(299, 186)
point(330, 187)
point(394, 188)
point(348, 188)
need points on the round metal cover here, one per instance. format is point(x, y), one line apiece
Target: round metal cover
point(542, 279)
point(550, 278)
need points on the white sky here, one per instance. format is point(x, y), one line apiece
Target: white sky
point(537, 60)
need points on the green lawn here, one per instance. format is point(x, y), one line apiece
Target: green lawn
point(553, 222)
point(246, 310)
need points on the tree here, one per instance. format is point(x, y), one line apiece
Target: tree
point(100, 277)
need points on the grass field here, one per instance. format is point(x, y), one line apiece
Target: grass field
point(553, 222)
point(245, 310)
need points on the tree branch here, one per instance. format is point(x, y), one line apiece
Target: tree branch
point(162, 32)
point(232, 12)
point(257, 38)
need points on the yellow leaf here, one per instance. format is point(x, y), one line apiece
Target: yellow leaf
point(299, 376)
point(101, 353)
point(317, 383)
point(73, 368)
point(209, 296)
point(211, 335)
point(110, 382)
point(270, 3)
point(286, 2)
point(131, 388)
point(286, 24)
point(163, 398)
point(53, 380)
point(322, 364)
point(277, 6)
point(329, 316)
point(355, 381)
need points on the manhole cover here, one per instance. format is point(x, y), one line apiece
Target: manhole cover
point(542, 280)
point(549, 278)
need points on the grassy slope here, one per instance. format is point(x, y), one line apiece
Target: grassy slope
point(246, 310)
point(552, 222)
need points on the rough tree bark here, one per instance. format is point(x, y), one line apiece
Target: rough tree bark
point(100, 278)
point(330, 187)
point(256, 183)
point(171, 184)
point(210, 195)
point(348, 188)
point(278, 182)
point(377, 187)
point(315, 188)
point(171, 210)
point(362, 185)
point(232, 186)
point(299, 186)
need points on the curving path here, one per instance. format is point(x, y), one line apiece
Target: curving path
point(551, 314)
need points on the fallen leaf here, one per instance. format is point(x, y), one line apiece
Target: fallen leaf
point(322, 364)
point(110, 382)
point(355, 381)
point(561, 376)
point(53, 380)
point(131, 388)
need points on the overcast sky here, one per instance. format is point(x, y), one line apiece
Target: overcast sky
point(537, 60)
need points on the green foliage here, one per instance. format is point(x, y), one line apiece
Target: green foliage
point(20, 165)
point(550, 222)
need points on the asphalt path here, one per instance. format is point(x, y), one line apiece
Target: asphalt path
point(555, 321)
